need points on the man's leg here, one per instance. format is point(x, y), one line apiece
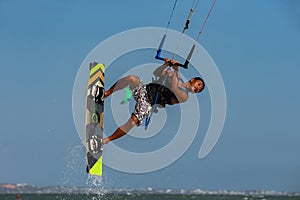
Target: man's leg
point(122, 130)
point(131, 81)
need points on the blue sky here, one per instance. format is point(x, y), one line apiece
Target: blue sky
point(255, 45)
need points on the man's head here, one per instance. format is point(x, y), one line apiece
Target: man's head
point(197, 84)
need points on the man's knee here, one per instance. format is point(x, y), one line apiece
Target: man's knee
point(133, 78)
point(133, 81)
point(134, 120)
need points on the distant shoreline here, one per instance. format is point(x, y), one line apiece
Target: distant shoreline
point(6, 188)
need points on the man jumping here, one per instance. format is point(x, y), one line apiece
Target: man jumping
point(168, 89)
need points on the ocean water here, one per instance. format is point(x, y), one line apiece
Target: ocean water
point(141, 197)
point(95, 190)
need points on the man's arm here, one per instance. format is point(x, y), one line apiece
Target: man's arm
point(180, 95)
point(160, 71)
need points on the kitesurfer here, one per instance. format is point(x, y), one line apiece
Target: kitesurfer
point(168, 89)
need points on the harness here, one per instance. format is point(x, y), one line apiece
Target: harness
point(158, 94)
point(159, 91)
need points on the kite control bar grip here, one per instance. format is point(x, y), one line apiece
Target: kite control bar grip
point(187, 61)
point(159, 57)
point(185, 65)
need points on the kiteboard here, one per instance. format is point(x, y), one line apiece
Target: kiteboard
point(94, 117)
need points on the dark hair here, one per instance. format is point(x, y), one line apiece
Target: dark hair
point(199, 79)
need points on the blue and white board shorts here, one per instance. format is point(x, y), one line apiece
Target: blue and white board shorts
point(142, 107)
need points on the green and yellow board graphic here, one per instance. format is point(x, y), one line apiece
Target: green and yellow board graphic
point(94, 117)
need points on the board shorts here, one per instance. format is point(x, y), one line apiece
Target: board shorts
point(142, 107)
